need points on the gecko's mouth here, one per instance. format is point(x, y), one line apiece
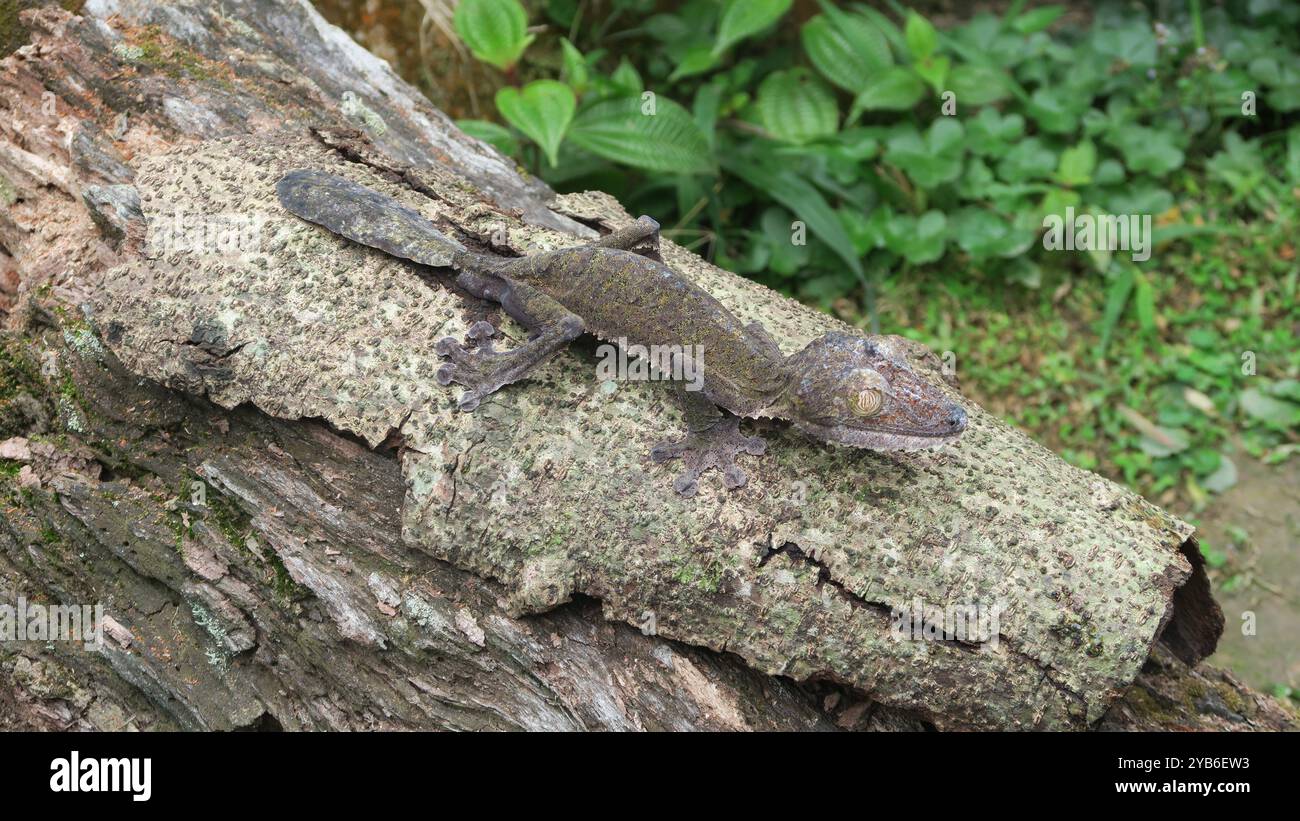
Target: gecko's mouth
point(881, 438)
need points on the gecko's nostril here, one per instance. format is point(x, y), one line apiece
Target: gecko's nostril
point(957, 419)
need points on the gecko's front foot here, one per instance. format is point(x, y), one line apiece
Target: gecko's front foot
point(478, 365)
point(714, 446)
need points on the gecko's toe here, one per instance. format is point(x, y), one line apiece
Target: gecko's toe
point(481, 330)
point(446, 374)
point(687, 484)
point(664, 451)
point(713, 447)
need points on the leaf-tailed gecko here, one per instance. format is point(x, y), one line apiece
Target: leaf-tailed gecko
point(841, 388)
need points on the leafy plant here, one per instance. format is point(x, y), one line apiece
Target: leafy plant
point(496, 31)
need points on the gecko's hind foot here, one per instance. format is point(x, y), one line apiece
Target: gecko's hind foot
point(716, 446)
point(478, 365)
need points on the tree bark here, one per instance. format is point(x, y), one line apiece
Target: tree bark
point(248, 463)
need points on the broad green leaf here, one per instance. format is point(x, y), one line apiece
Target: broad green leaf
point(918, 240)
point(921, 37)
point(496, 31)
point(788, 187)
point(796, 107)
point(1077, 164)
point(1037, 19)
point(497, 136)
point(977, 85)
point(741, 18)
point(983, 234)
point(1146, 149)
point(991, 133)
point(542, 110)
point(895, 89)
point(1028, 160)
point(1134, 43)
point(848, 52)
point(1049, 108)
point(621, 130)
point(930, 160)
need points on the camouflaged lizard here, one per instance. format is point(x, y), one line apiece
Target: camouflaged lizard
point(841, 388)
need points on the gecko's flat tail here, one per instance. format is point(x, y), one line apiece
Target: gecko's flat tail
point(365, 216)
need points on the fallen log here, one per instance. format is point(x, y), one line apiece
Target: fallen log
point(237, 509)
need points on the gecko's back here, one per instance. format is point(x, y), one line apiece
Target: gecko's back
point(625, 295)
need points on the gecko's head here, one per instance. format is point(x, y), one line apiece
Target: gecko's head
point(851, 390)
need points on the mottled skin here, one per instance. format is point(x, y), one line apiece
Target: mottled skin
point(841, 388)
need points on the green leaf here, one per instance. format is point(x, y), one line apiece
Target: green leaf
point(1048, 108)
point(1293, 153)
point(991, 133)
point(1077, 164)
point(576, 73)
point(742, 18)
point(542, 110)
point(1037, 19)
point(1164, 442)
point(1146, 149)
point(1269, 410)
point(895, 89)
point(497, 136)
point(624, 131)
point(1144, 302)
point(921, 37)
point(1116, 298)
point(696, 60)
point(627, 78)
point(848, 51)
point(977, 85)
point(1134, 44)
point(934, 70)
point(932, 160)
point(796, 107)
point(788, 187)
point(918, 240)
point(983, 234)
point(1030, 159)
point(496, 31)
point(1223, 477)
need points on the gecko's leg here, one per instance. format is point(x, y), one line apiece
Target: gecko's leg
point(479, 366)
point(644, 232)
point(713, 440)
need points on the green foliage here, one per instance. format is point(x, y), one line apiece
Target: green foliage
point(542, 110)
point(834, 158)
point(496, 31)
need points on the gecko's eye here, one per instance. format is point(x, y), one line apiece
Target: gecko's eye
point(866, 402)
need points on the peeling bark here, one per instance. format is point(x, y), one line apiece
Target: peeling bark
point(290, 526)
